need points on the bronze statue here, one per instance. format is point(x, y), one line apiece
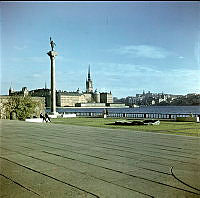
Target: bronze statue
point(52, 44)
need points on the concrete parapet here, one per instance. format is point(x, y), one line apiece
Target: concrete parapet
point(71, 115)
point(90, 104)
point(34, 120)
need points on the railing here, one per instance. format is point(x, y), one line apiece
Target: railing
point(134, 115)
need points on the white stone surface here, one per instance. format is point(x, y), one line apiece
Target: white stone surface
point(34, 120)
point(72, 115)
point(53, 115)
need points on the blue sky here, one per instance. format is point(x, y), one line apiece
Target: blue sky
point(130, 46)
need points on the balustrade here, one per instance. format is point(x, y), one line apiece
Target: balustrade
point(134, 115)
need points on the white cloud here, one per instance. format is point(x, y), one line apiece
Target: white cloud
point(36, 75)
point(188, 75)
point(39, 59)
point(20, 47)
point(197, 51)
point(33, 59)
point(124, 78)
point(111, 69)
point(145, 51)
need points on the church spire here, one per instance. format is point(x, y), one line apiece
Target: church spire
point(89, 86)
point(10, 86)
point(89, 77)
point(11, 90)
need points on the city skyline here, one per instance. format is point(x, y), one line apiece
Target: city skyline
point(130, 46)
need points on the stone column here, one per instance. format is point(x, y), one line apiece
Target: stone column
point(52, 55)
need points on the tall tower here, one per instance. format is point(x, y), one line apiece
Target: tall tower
point(11, 91)
point(89, 86)
point(52, 54)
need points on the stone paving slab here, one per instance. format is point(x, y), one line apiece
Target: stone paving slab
point(54, 160)
point(14, 190)
point(35, 182)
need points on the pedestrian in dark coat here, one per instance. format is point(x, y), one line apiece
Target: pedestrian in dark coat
point(42, 116)
point(47, 118)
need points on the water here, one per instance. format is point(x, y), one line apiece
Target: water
point(145, 109)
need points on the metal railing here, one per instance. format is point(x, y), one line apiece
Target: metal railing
point(135, 115)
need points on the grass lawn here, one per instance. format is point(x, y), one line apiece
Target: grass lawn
point(170, 127)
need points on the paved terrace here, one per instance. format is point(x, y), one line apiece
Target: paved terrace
point(54, 160)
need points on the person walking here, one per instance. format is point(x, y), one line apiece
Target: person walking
point(43, 118)
point(47, 117)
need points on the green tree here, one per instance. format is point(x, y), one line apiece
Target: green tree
point(21, 107)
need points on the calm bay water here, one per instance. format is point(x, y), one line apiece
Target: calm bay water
point(145, 109)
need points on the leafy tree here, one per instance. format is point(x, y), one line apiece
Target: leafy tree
point(187, 100)
point(21, 107)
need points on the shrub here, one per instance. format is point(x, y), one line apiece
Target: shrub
point(20, 107)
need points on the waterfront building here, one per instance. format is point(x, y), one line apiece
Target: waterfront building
point(96, 96)
point(69, 99)
point(23, 92)
point(89, 97)
point(106, 97)
point(148, 98)
point(44, 92)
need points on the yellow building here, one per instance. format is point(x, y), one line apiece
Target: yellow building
point(69, 99)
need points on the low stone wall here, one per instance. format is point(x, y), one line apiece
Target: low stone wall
point(3, 100)
point(40, 108)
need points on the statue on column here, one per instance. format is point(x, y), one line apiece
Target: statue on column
point(52, 44)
